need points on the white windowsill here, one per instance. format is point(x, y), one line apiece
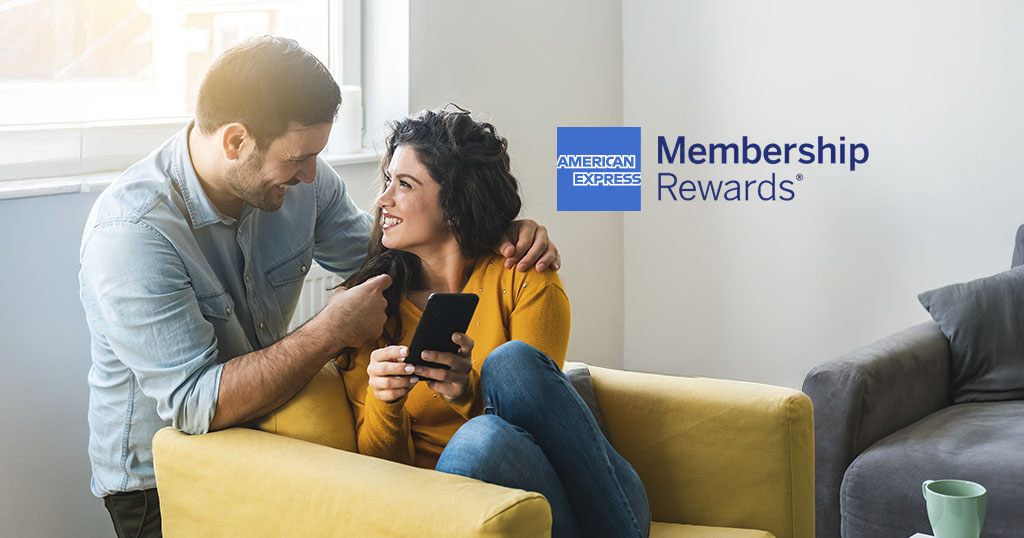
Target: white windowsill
point(27, 188)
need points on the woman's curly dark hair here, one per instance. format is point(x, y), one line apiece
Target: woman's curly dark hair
point(478, 195)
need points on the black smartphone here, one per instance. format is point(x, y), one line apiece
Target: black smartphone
point(444, 315)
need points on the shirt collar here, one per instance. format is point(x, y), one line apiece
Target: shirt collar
point(201, 211)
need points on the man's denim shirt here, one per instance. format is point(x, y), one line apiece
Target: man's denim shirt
point(173, 289)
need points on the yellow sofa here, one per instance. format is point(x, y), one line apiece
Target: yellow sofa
point(719, 459)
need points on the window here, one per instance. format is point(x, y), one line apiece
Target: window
point(92, 85)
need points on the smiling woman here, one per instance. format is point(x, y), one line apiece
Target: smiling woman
point(499, 409)
point(453, 173)
point(406, 198)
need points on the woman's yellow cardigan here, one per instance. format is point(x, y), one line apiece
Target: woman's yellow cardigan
point(529, 306)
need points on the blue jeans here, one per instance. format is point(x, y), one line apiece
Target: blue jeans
point(537, 434)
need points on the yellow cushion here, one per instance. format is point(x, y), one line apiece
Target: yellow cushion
point(672, 530)
point(319, 413)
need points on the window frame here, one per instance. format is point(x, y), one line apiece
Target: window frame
point(48, 158)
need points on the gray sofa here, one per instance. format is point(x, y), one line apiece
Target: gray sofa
point(884, 422)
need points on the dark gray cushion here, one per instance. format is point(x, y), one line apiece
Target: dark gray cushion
point(579, 377)
point(984, 324)
point(981, 442)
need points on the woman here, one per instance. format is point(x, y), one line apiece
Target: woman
point(503, 412)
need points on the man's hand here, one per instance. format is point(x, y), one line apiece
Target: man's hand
point(389, 376)
point(256, 383)
point(450, 383)
point(527, 244)
point(357, 315)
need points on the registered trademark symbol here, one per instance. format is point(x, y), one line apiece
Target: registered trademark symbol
point(799, 177)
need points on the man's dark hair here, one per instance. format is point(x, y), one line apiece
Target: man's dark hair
point(265, 83)
point(478, 195)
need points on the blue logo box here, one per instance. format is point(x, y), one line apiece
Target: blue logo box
point(598, 168)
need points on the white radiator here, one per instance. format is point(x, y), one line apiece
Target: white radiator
point(316, 290)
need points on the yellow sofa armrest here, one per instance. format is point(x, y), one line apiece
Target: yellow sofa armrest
point(241, 482)
point(715, 452)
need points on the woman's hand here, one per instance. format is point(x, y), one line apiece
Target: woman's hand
point(450, 383)
point(389, 376)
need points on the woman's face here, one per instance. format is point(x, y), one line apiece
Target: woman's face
point(411, 213)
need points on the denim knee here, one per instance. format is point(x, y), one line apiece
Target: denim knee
point(479, 443)
point(513, 359)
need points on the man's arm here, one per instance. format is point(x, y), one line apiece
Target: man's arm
point(139, 297)
point(256, 383)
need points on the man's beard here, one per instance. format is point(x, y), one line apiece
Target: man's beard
point(248, 183)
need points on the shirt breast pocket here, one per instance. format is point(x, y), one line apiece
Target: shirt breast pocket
point(217, 306)
point(287, 276)
point(219, 309)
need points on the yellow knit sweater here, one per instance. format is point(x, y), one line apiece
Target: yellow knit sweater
point(530, 306)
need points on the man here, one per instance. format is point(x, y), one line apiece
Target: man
point(193, 261)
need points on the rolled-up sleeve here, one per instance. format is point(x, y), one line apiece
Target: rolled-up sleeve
point(342, 229)
point(141, 300)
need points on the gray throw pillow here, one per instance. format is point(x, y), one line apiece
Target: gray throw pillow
point(578, 375)
point(984, 323)
point(1018, 248)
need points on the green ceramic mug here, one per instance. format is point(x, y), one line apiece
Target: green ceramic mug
point(956, 508)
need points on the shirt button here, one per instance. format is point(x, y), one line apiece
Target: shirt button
point(261, 324)
point(246, 278)
point(435, 395)
point(227, 310)
point(504, 292)
point(480, 289)
point(304, 269)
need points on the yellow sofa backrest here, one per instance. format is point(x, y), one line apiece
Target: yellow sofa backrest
point(319, 413)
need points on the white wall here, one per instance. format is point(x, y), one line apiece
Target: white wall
point(530, 67)
point(763, 291)
point(44, 352)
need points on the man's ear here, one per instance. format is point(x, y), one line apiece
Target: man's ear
point(234, 138)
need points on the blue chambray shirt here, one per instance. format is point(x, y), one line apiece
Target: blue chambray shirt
point(172, 289)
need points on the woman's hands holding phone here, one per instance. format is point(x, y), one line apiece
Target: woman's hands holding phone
point(450, 383)
point(391, 378)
